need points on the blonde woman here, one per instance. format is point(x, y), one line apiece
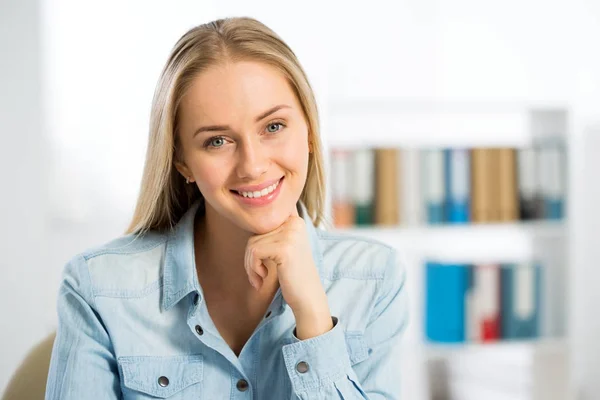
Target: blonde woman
point(224, 287)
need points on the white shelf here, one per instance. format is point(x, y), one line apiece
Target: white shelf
point(372, 124)
point(544, 345)
point(504, 242)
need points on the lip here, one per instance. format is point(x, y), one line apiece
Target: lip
point(254, 188)
point(260, 201)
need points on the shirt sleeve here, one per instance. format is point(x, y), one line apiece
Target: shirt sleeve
point(82, 365)
point(320, 368)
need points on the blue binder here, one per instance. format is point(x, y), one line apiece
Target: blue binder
point(433, 184)
point(515, 323)
point(457, 176)
point(553, 209)
point(445, 288)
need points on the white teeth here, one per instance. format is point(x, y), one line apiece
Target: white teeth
point(260, 193)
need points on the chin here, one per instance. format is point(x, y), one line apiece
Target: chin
point(260, 224)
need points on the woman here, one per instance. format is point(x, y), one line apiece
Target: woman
point(223, 287)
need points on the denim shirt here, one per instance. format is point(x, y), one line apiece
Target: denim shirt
point(133, 325)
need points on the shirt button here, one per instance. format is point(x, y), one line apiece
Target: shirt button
point(199, 330)
point(268, 314)
point(163, 381)
point(242, 385)
point(302, 367)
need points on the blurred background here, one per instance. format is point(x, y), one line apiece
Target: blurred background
point(470, 131)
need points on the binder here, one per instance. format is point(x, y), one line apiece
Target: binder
point(527, 183)
point(433, 185)
point(472, 331)
point(363, 179)
point(481, 185)
point(493, 182)
point(387, 201)
point(487, 284)
point(553, 190)
point(342, 203)
point(412, 212)
point(520, 300)
point(507, 179)
point(457, 185)
point(445, 288)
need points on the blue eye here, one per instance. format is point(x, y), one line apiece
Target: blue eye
point(216, 142)
point(274, 124)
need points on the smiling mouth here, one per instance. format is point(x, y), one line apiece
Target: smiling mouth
point(259, 193)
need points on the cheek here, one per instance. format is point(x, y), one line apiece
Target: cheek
point(210, 175)
point(294, 154)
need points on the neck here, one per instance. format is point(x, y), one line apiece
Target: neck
point(220, 248)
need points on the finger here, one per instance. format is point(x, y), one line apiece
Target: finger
point(263, 236)
point(256, 271)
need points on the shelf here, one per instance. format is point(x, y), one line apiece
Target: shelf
point(538, 345)
point(384, 125)
point(504, 242)
point(512, 349)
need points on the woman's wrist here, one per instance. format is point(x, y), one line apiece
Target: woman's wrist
point(313, 321)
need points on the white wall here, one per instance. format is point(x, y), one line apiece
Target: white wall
point(23, 272)
point(77, 80)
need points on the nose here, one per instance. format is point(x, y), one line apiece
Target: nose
point(253, 160)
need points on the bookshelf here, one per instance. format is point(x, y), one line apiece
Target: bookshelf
point(353, 126)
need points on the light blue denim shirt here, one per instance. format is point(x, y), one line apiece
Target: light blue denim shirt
point(133, 325)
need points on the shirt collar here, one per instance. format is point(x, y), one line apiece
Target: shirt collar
point(180, 277)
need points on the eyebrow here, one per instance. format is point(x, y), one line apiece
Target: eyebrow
point(217, 128)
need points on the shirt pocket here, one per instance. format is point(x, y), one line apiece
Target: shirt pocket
point(168, 377)
point(357, 347)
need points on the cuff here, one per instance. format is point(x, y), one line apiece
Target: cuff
point(316, 362)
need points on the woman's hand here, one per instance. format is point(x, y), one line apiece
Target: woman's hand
point(286, 251)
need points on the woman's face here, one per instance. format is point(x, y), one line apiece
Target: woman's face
point(245, 143)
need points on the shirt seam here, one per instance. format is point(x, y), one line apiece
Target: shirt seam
point(116, 250)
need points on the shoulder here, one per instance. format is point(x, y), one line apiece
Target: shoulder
point(120, 265)
point(354, 256)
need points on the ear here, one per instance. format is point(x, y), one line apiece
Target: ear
point(183, 170)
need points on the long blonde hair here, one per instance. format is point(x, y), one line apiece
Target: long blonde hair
point(164, 195)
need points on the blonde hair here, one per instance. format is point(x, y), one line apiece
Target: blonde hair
point(164, 195)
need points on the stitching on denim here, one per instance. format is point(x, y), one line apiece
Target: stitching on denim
point(329, 236)
point(130, 294)
point(145, 247)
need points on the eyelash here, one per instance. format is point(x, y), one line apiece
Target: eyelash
point(207, 143)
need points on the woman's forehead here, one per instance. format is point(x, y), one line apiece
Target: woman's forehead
point(240, 90)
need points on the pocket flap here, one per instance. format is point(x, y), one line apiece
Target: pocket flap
point(357, 347)
point(147, 374)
